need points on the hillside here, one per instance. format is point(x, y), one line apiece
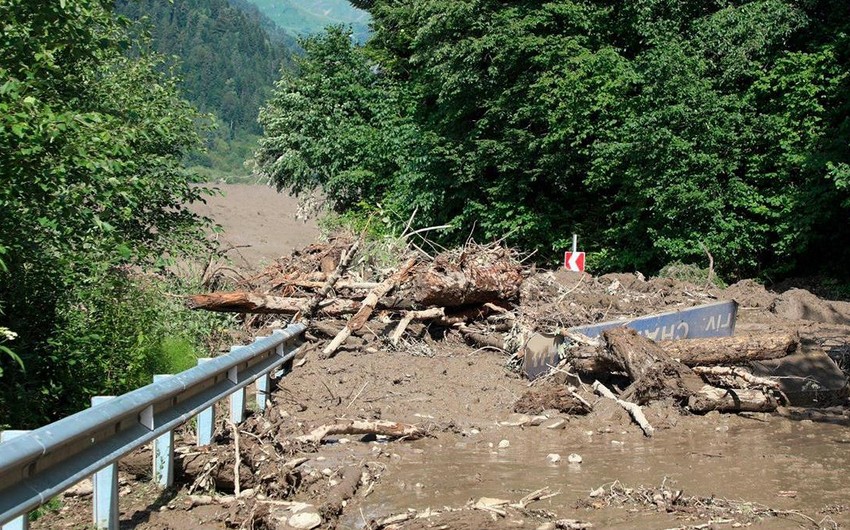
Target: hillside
point(227, 59)
point(301, 17)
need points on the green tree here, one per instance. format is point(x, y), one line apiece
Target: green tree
point(90, 146)
point(651, 128)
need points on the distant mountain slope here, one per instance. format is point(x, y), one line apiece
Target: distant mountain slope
point(304, 17)
point(229, 57)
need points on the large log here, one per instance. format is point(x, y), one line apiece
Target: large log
point(733, 350)
point(244, 302)
point(477, 276)
point(731, 400)
point(739, 349)
point(654, 373)
point(381, 427)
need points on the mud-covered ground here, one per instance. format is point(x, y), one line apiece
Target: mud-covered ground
point(480, 458)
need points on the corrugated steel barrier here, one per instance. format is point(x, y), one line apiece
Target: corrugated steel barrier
point(38, 465)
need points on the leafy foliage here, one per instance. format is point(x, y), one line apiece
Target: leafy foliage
point(648, 128)
point(91, 141)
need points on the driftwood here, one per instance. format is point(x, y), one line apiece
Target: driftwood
point(410, 316)
point(493, 340)
point(736, 373)
point(700, 352)
point(654, 373)
point(379, 427)
point(731, 400)
point(633, 409)
point(245, 302)
point(359, 319)
point(344, 490)
point(332, 279)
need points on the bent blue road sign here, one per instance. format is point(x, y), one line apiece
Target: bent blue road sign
point(709, 320)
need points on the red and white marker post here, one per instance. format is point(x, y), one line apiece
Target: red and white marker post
point(574, 261)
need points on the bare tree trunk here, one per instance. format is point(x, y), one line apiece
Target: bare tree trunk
point(701, 352)
point(731, 400)
point(382, 427)
point(243, 302)
point(654, 374)
point(367, 306)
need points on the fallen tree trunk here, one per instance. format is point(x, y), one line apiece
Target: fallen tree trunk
point(339, 494)
point(244, 302)
point(477, 276)
point(410, 316)
point(378, 427)
point(359, 319)
point(494, 340)
point(731, 400)
point(654, 374)
point(738, 375)
point(701, 352)
point(732, 350)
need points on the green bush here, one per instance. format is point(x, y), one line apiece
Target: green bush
point(110, 336)
point(690, 273)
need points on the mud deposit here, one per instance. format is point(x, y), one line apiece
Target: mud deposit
point(259, 223)
point(481, 464)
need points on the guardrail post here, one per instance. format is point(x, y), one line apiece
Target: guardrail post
point(264, 383)
point(206, 419)
point(105, 482)
point(163, 452)
point(237, 398)
point(282, 350)
point(22, 522)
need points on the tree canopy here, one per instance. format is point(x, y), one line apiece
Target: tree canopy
point(651, 128)
point(91, 140)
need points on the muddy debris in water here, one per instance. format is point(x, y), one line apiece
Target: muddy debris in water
point(716, 510)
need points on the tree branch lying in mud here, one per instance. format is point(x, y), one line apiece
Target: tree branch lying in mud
point(740, 349)
point(376, 427)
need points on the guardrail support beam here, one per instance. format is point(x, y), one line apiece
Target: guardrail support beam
point(22, 522)
point(264, 384)
point(163, 453)
point(105, 482)
point(237, 406)
point(206, 419)
point(237, 398)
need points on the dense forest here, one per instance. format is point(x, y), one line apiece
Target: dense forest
point(228, 55)
point(307, 17)
point(226, 58)
point(657, 130)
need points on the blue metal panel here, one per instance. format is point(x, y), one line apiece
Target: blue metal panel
point(710, 320)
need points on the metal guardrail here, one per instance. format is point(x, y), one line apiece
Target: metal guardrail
point(38, 465)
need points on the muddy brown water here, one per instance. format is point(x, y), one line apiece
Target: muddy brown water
point(757, 459)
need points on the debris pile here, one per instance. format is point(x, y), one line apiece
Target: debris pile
point(486, 297)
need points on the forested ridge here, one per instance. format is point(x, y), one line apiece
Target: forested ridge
point(656, 130)
point(227, 56)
